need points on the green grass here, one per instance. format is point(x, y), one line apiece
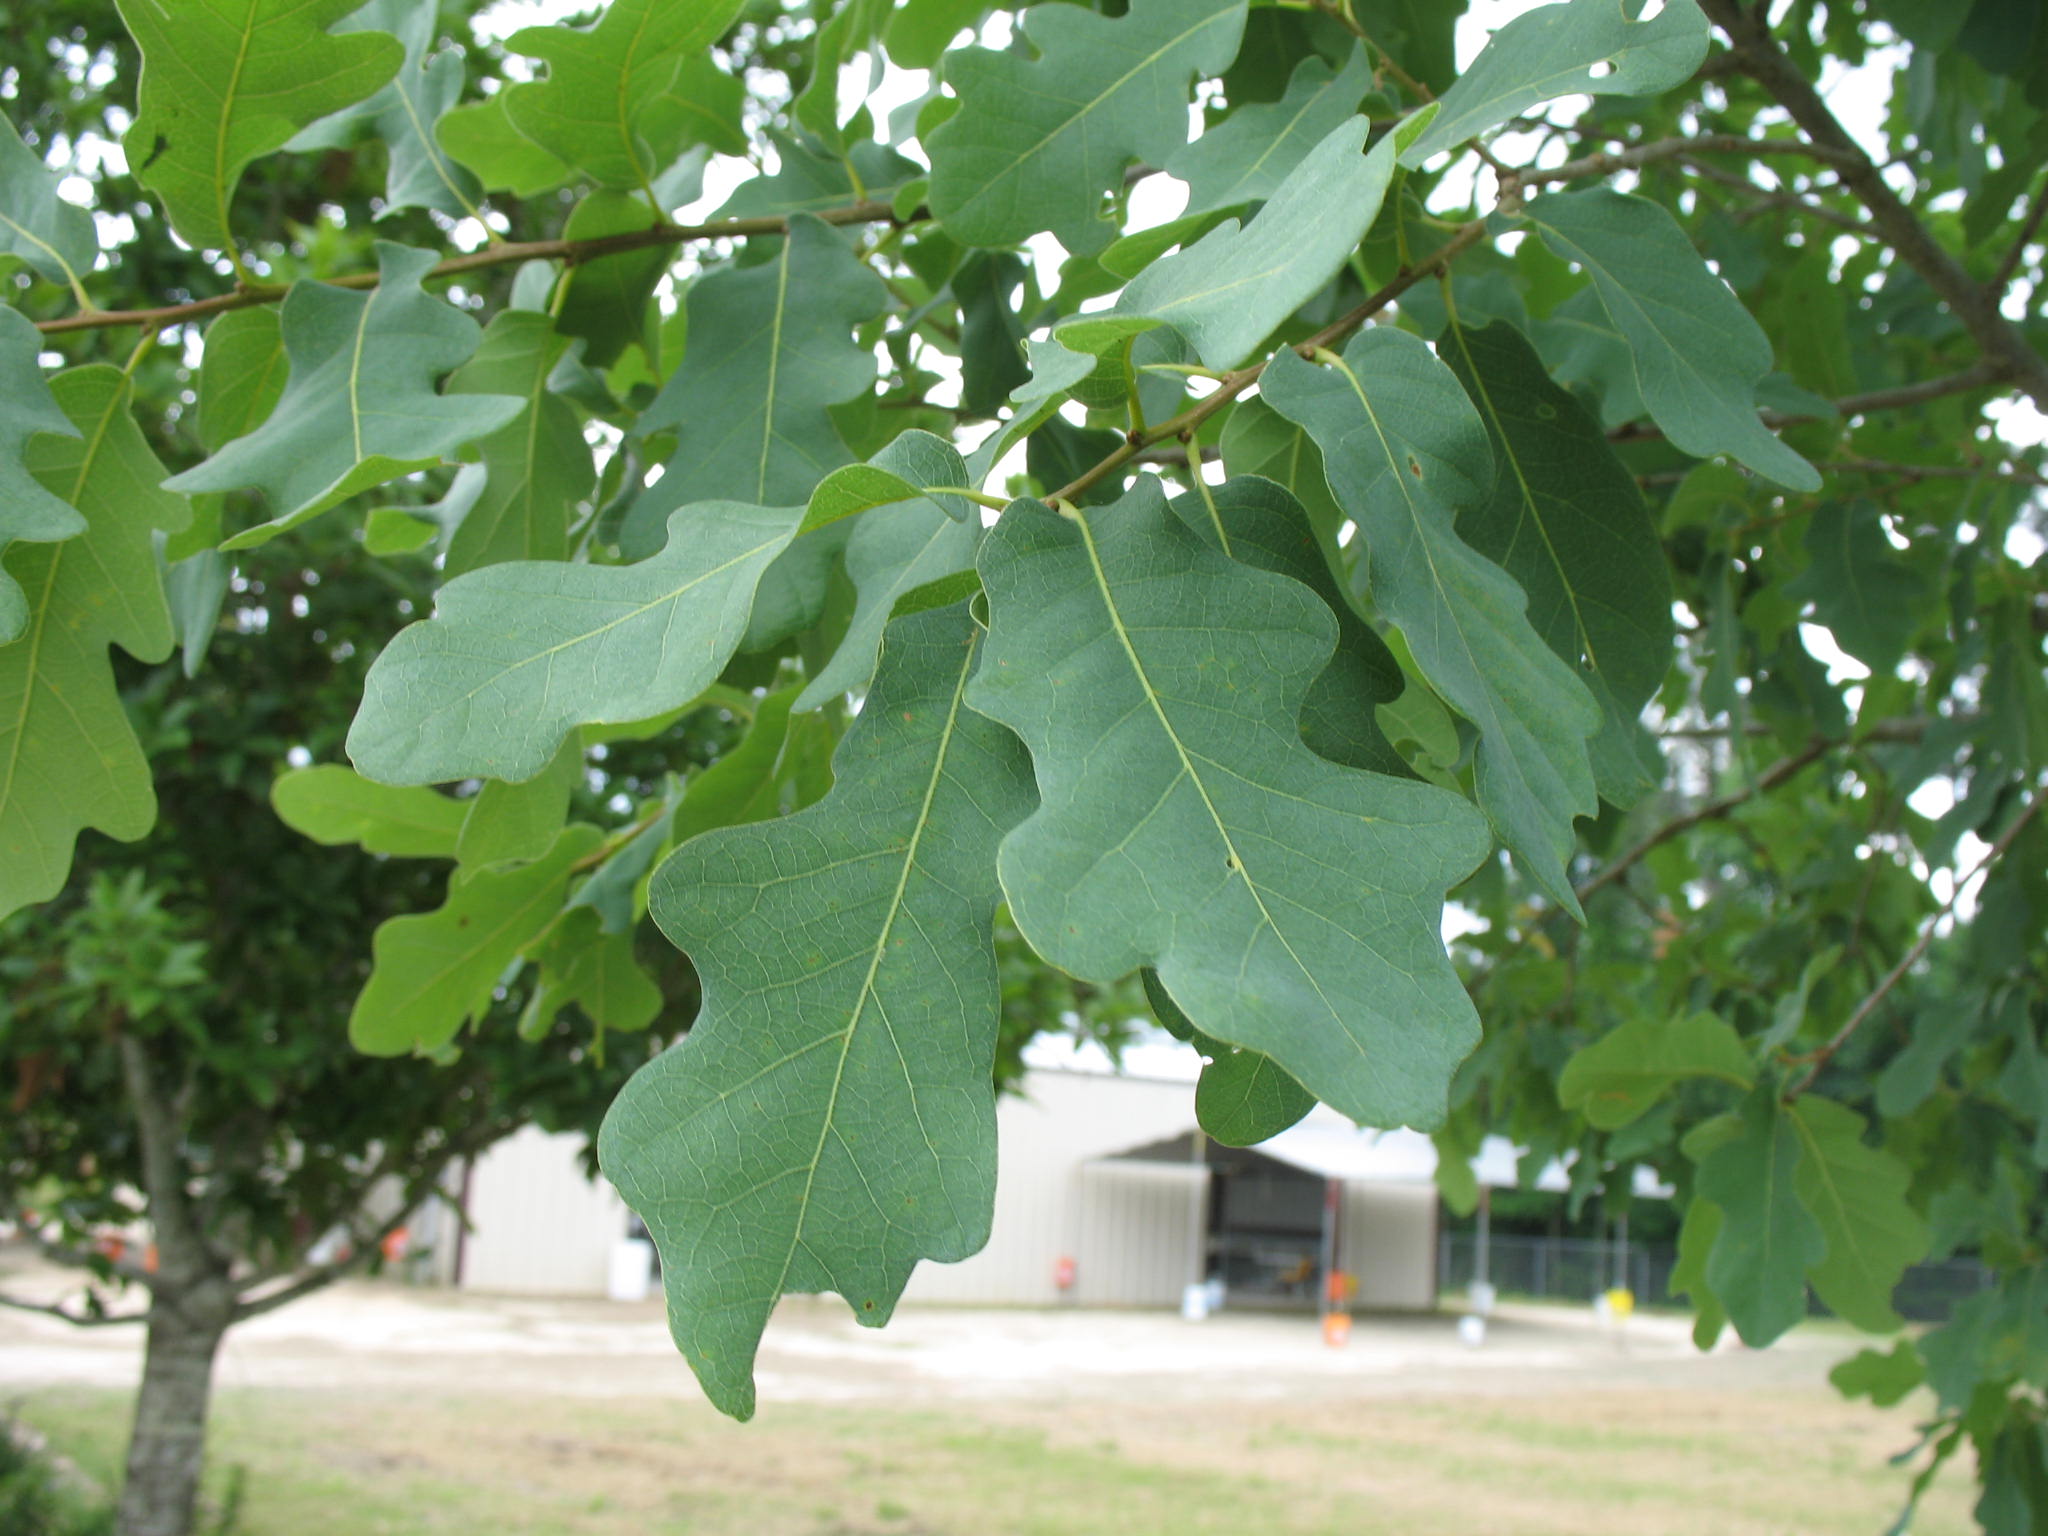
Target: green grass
point(1713, 1463)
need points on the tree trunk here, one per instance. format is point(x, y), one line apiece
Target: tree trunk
point(167, 1447)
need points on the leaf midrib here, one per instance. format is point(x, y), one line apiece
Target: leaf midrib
point(1238, 866)
point(1016, 165)
point(222, 188)
point(34, 639)
point(1493, 414)
point(867, 986)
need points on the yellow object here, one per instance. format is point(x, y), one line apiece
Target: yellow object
point(1621, 1301)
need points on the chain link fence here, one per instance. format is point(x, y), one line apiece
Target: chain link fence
point(1580, 1268)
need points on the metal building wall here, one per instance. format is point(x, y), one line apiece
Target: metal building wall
point(1386, 1236)
point(537, 1224)
point(1047, 1206)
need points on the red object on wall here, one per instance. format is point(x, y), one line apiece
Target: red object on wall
point(1063, 1272)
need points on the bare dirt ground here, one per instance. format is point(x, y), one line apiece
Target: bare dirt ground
point(375, 1335)
point(372, 1410)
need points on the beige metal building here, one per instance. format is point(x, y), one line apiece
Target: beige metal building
point(1107, 1196)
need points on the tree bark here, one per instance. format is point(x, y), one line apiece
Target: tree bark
point(167, 1447)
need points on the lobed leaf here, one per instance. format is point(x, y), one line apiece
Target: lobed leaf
point(1768, 1239)
point(226, 81)
point(1037, 142)
point(771, 350)
point(56, 239)
point(606, 107)
point(68, 756)
point(1581, 47)
point(897, 547)
point(333, 804)
point(830, 1118)
point(433, 972)
point(537, 465)
point(1619, 1077)
point(518, 655)
point(359, 406)
point(1404, 450)
point(1698, 354)
point(1568, 523)
point(1229, 291)
point(29, 510)
point(1244, 158)
point(1290, 905)
point(1858, 1195)
point(403, 115)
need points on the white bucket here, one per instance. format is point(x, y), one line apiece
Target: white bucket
point(632, 1270)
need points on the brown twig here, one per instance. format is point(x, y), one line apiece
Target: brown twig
point(1912, 956)
point(75, 1319)
point(571, 251)
point(2001, 472)
point(1975, 306)
point(1607, 162)
point(2002, 278)
point(1977, 376)
point(1710, 810)
point(1768, 200)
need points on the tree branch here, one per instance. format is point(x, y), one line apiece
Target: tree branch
point(1976, 376)
point(570, 251)
point(1767, 200)
point(1973, 304)
point(1238, 380)
point(1710, 810)
point(76, 1319)
point(2002, 278)
point(363, 1244)
point(1912, 956)
point(1607, 162)
point(2004, 472)
point(159, 1139)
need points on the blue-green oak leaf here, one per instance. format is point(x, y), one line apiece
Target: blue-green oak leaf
point(69, 758)
point(518, 655)
point(224, 84)
point(1290, 905)
point(1404, 451)
point(1038, 141)
point(359, 406)
point(829, 1120)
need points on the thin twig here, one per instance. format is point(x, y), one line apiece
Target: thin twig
point(1607, 162)
point(76, 1319)
point(1767, 199)
point(2002, 278)
point(571, 251)
point(2001, 472)
point(1710, 810)
point(1977, 376)
point(1912, 956)
point(1971, 303)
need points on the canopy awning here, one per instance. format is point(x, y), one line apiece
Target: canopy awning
point(1330, 1148)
